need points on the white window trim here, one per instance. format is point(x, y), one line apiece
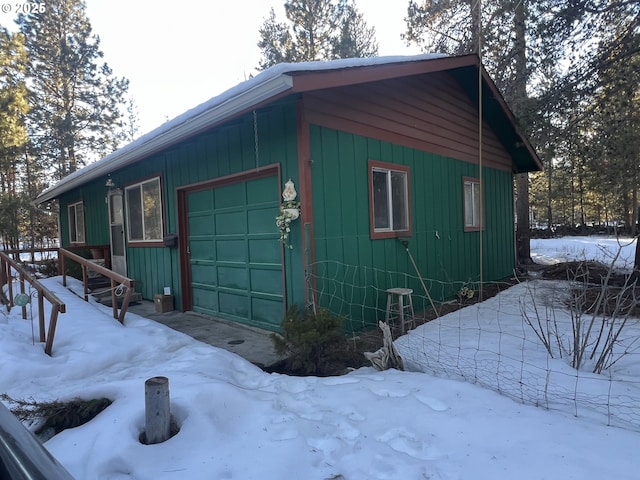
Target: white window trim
point(128, 211)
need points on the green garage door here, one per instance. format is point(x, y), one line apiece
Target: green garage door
point(235, 252)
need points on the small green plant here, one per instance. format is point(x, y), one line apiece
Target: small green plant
point(313, 342)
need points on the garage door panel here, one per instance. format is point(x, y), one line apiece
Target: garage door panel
point(266, 281)
point(234, 195)
point(205, 299)
point(232, 250)
point(201, 201)
point(265, 250)
point(231, 223)
point(233, 277)
point(262, 219)
point(267, 311)
point(203, 273)
point(235, 253)
point(201, 224)
point(236, 305)
point(202, 248)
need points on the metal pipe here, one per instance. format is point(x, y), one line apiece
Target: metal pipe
point(405, 244)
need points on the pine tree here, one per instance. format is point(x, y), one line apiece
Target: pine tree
point(356, 39)
point(75, 116)
point(316, 30)
point(13, 135)
point(543, 57)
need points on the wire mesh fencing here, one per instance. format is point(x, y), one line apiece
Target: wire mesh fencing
point(492, 343)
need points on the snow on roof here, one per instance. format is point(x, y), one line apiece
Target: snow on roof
point(267, 84)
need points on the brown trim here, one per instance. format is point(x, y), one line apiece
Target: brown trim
point(183, 254)
point(182, 210)
point(254, 173)
point(306, 197)
point(464, 206)
point(371, 164)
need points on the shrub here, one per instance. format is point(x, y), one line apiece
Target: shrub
point(314, 343)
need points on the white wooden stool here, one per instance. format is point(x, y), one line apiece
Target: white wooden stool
point(398, 309)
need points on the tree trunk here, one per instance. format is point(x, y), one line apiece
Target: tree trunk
point(549, 195)
point(523, 229)
point(634, 212)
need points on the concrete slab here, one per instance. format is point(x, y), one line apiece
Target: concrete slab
point(253, 344)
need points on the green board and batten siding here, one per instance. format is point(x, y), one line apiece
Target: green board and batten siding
point(226, 150)
point(353, 271)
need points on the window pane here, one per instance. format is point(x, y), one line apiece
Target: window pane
point(380, 200)
point(476, 204)
point(80, 222)
point(134, 210)
point(152, 210)
point(72, 223)
point(468, 204)
point(116, 209)
point(399, 200)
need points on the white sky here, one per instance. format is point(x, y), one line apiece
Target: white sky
point(179, 53)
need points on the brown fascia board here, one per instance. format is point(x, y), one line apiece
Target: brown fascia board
point(309, 80)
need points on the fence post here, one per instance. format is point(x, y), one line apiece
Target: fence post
point(157, 410)
point(41, 315)
point(23, 291)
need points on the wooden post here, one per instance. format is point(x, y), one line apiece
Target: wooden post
point(157, 410)
point(63, 268)
point(41, 315)
point(53, 321)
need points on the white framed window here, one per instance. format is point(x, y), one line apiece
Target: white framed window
point(144, 211)
point(76, 222)
point(472, 204)
point(389, 200)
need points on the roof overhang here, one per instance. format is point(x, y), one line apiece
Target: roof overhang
point(186, 125)
point(284, 79)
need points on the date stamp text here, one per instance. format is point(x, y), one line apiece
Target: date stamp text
point(24, 7)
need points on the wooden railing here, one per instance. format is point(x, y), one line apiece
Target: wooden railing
point(116, 280)
point(57, 306)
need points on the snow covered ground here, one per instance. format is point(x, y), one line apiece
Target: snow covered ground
point(237, 422)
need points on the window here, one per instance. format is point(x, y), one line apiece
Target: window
point(389, 200)
point(76, 222)
point(472, 210)
point(144, 211)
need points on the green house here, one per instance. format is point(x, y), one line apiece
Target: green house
point(403, 168)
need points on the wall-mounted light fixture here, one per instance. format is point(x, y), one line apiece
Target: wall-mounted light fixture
point(109, 183)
